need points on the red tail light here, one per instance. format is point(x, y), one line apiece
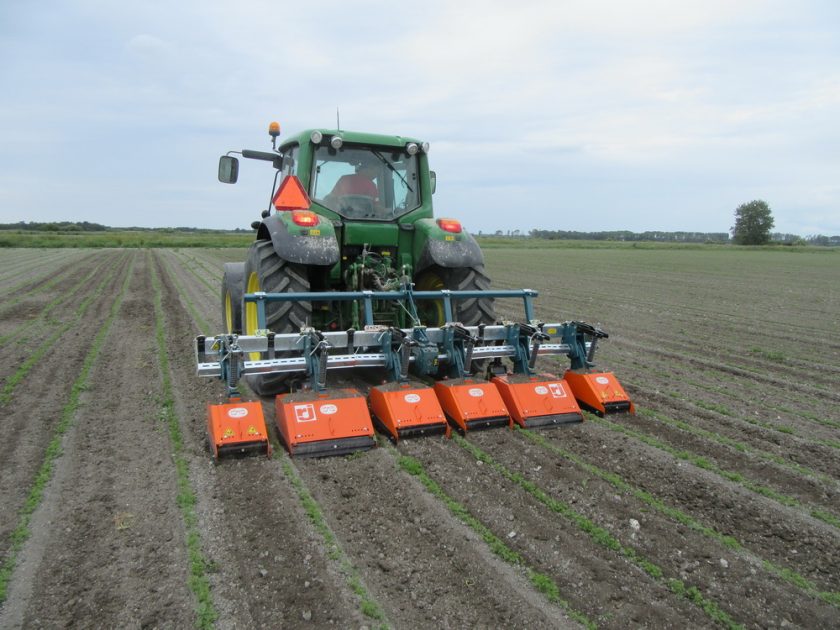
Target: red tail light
point(450, 225)
point(304, 218)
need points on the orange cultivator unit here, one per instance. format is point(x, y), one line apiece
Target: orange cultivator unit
point(472, 403)
point(406, 409)
point(538, 401)
point(317, 420)
point(324, 423)
point(237, 427)
point(599, 392)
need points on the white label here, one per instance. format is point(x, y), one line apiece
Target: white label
point(328, 410)
point(412, 398)
point(557, 390)
point(305, 413)
point(602, 380)
point(476, 392)
point(237, 412)
point(542, 391)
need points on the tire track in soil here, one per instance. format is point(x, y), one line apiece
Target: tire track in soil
point(113, 552)
point(425, 568)
point(595, 581)
point(30, 417)
point(270, 568)
point(787, 536)
point(739, 584)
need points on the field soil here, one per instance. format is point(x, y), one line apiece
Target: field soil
point(716, 504)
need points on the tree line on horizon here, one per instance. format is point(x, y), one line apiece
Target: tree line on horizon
point(570, 235)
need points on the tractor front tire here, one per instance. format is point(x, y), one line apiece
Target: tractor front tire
point(233, 286)
point(266, 271)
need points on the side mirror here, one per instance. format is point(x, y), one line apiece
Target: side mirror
point(228, 169)
point(433, 180)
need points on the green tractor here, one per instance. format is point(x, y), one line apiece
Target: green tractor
point(349, 211)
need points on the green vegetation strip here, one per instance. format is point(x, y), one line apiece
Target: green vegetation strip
point(48, 262)
point(705, 464)
point(367, 605)
point(198, 583)
point(542, 582)
point(734, 444)
point(681, 517)
point(54, 449)
point(602, 537)
point(41, 351)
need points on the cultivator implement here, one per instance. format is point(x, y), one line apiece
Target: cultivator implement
point(431, 385)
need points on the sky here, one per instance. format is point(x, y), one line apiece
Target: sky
point(590, 116)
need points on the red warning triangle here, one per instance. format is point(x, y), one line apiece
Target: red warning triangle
point(291, 195)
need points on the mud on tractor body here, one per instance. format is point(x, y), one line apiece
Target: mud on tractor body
point(350, 269)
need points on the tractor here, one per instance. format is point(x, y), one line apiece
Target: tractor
point(351, 270)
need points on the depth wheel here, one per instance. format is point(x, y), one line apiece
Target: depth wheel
point(266, 271)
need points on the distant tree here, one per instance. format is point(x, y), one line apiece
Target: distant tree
point(753, 222)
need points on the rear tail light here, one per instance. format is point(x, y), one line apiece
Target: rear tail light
point(450, 225)
point(304, 218)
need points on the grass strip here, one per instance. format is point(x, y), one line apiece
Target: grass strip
point(602, 537)
point(198, 583)
point(369, 607)
point(39, 353)
point(54, 449)
point(734, 444)
point(705, 464)
point(542, 582)
point(788, 575)
point(48, 263)
point(57, 277)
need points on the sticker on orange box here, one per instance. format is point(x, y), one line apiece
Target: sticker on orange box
point(476, 392)
point(305, 413)
point(557, 390)
point(328, 410)
point(602, 380)
point(412, 398)
point(541, 390)
point(237, 412)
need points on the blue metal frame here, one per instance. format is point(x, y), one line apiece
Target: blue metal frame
point(408, 295)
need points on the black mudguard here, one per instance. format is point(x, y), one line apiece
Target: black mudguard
point(301, 248)
point(463, 251)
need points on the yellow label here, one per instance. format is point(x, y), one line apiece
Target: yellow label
point(228, 434)
point(252, 431)
point(552, 331)
point(314, 232)
point(449, 238)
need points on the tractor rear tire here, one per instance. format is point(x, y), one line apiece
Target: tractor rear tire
point(470, 312)
point(233, 287)
point(266, 271)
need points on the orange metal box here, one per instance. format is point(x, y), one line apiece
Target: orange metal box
point(237, 427)
point(472, 403)
point(538, 401)
point(407, 409)
point(599, 392)
point(333, 422)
